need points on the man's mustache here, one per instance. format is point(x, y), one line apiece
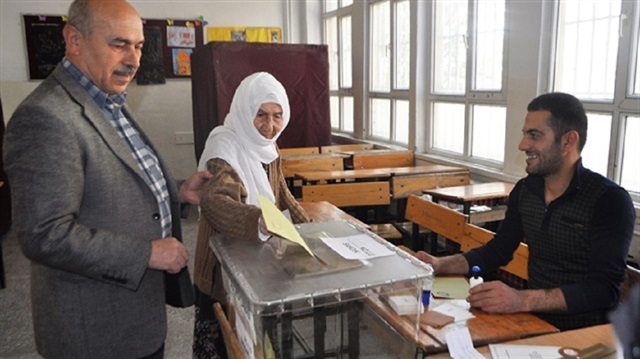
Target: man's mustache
point(125, 70)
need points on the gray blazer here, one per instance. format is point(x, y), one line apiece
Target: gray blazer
point(85, 217)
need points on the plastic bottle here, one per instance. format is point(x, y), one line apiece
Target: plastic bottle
point(475, 277)
point(426, 290)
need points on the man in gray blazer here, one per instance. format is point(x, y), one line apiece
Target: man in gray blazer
point(94, 206)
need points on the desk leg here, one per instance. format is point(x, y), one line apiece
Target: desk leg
point(417, 244)
point(287, 335)
point(433, 237)
point(2, 278)
point(270, 327)
point(319, 330)
point(281, 343)
point(466, 209)
point(353, 312)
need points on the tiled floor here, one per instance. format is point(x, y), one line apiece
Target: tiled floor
point(16, 329)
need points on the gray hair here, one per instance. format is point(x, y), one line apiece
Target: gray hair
point(80, 16)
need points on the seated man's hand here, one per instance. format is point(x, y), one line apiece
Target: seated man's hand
point(428, 258)
point(496, 297)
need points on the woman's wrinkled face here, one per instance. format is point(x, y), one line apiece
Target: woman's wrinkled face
point(268, 120)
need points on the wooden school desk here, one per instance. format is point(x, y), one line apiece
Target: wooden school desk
point(414, 179)
point(493, 193)
point(311, 162)
point(485, 328)
point(324, 211)
point(378, 158)
point(579, 339)
point(314, 177)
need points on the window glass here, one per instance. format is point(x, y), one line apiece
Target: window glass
point(347, 114)
point(489, 124)
point(380, 47)
point(636, 65)
point(345, 43)
point(587, 48)
point(595, 154)
point(450, 54)
point(488, 51)
point(402, 45)
point(334, 104)
point(330, 5)
point(448, 126)
point(401, 121)
point(331, 38)
point(631, 160)
point(380, 114)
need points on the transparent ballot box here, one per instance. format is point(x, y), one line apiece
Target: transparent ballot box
point(289, 304)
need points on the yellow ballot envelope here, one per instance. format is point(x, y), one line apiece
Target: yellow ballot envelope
point(278, 224)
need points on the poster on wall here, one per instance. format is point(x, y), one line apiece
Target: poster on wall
point(181, 36)
point(176, 40)
point(151, 69)
point(45, 47)
point(271, 35)
point(182, 62)
point(45, 44)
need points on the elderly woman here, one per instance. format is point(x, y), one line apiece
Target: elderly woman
point(243, 157)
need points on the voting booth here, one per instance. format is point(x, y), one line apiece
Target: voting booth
point(290, 304)
point(303, 69)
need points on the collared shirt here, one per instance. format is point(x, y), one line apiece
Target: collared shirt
point(141, 151)
point(578, 243)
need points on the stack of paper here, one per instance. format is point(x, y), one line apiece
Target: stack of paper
point(404, 304)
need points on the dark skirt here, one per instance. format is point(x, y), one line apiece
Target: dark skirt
point(207, 337)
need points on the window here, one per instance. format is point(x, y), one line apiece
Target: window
point(389, 70)
point(337, 36)
point(452, 78)
point(630, 178)
point(587, 48)
point(468, 109)
point(488, 121)
point(594, 43)
point(599, 123)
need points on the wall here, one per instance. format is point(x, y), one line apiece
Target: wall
point(162, 110)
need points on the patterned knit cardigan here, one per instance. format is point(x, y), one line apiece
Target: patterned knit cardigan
point(223, 209)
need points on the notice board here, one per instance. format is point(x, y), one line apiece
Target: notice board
point(166, 52)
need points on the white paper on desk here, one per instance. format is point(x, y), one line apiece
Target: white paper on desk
point(504, 351)
point(479, 208)
point(460, 344)
point(359, 246)
point(458, 309)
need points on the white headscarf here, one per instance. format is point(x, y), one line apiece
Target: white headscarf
point(239, 143)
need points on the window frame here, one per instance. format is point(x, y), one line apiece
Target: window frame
point(624, 103)
point(394, 94)
point(471, 96)
point(341, 92)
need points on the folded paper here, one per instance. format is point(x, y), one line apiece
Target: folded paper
point(278, 224)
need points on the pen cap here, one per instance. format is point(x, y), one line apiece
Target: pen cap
point(476, 278)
